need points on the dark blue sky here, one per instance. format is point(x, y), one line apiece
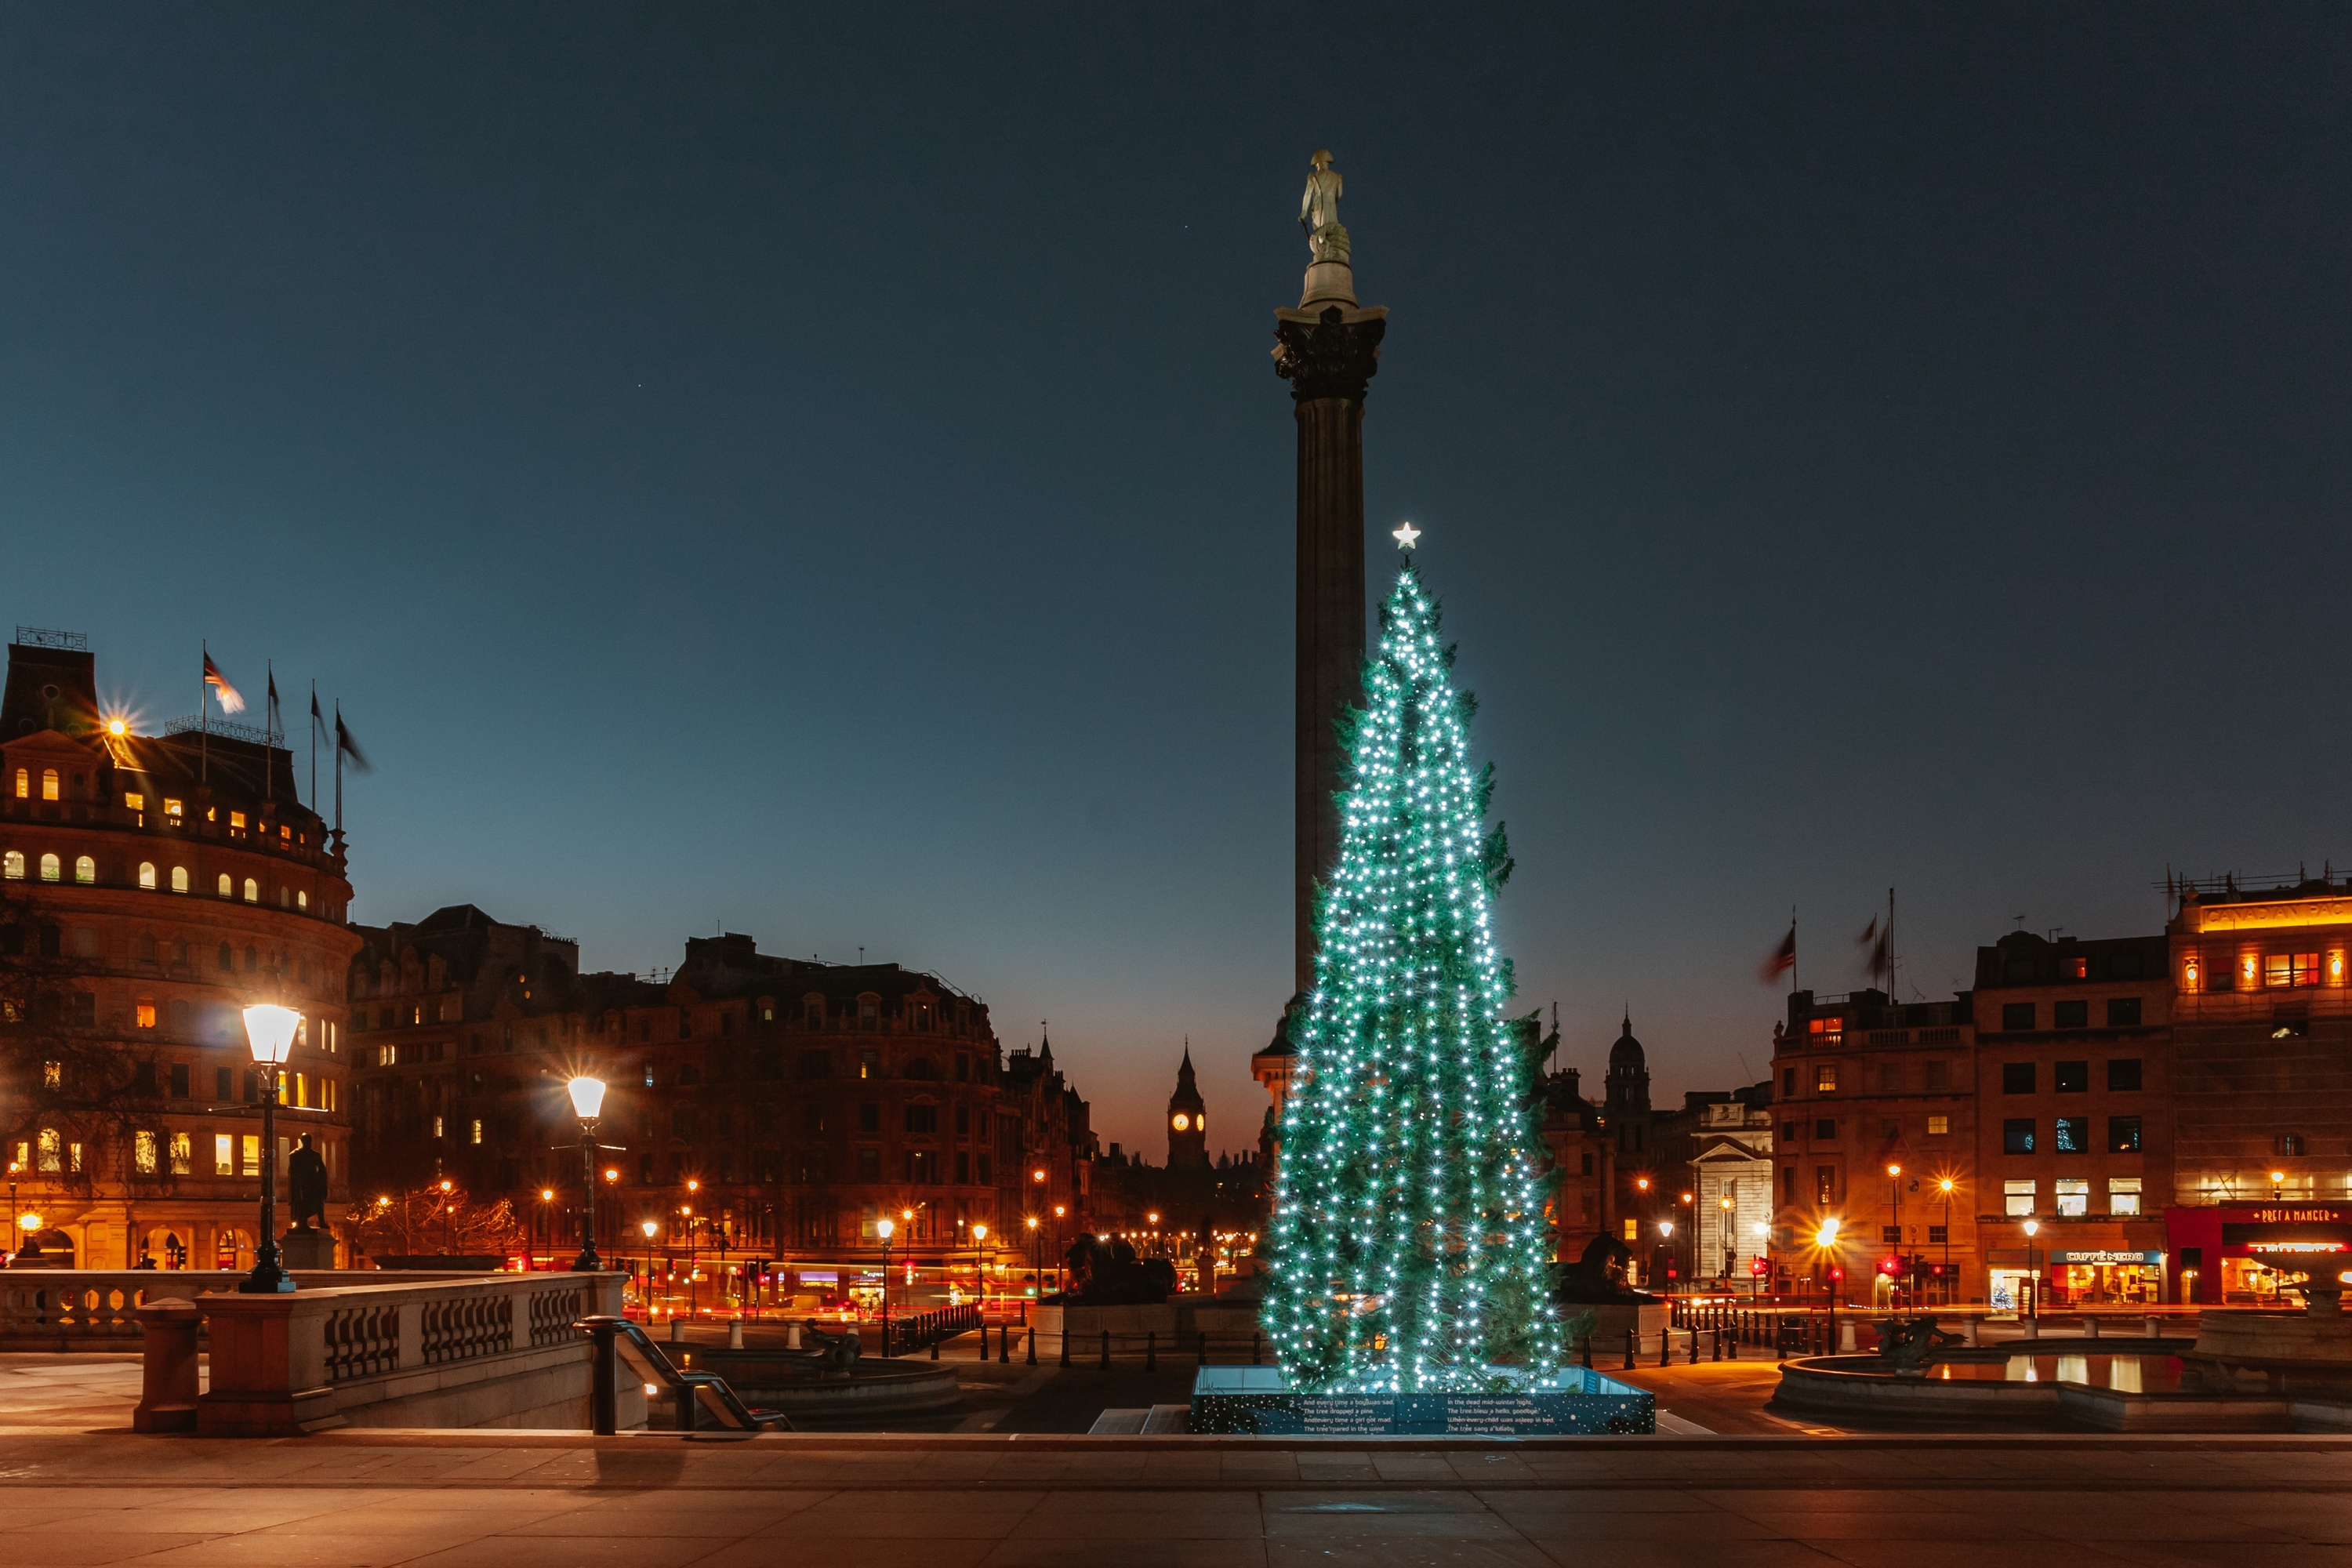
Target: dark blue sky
point(822, 475)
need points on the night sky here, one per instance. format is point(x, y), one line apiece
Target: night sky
point(822, 476)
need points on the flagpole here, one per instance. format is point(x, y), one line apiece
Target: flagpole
point(314, 743)
point(339, 768)
point(204, 719)
point(268, 718)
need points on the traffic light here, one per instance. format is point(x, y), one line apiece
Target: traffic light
point(1759, 1267)
point(1837, 1271)
point(1890, 1266)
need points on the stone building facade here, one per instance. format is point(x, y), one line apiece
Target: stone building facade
point(758, 1106)
point(151, 887)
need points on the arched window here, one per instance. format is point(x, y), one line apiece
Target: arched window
point(49, 869)
point(227, 892)
point(147, 874)
point(85, 870)
point(179, 878)
point(252, 891)
point(227, 959)
point(302, 900)
point(285, 897)
point(48, 784)
point(23, 784)
point(12, 867)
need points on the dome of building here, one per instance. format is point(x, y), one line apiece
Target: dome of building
point(1627, 1051)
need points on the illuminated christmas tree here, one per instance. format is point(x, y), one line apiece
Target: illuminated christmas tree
point(1411, 1248)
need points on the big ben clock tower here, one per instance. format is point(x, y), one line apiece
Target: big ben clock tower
point(1187, 1127)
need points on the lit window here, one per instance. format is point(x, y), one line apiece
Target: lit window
point(2123, 1194)
point(2073, 1195)
point(134, 800)
point(2017, 1195)
point(147, 874)
point(476, 1133)
point(48, 784)
point(53, 1075)
point(2078, 967)
point(252, 891)
point(52, 1146)
point(223, 1155)
point(183, 1153)
point(13, 866)
point(301, 901)
point(237, 821)
point(85, 870)
point(2277, 969)
point(227, 890)
point(2246, 970)
point(174, 809)
point(2307, 969)
point(143, 1152)
point(1633, 1230)
point(2073, 1135)
point(1825, 1079)
point(2189, 974)
point(1939, 1126)
point(51, 868)
point(23, 784)
point(436, 1127)
point(179, 878)
point(250, 1154)
point(146, 1014)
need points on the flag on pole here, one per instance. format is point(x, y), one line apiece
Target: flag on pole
point(276, 723)
point(1780, 960)
point(348, 747)
point(1875, 941)
point(229, 700)
point(318, 719)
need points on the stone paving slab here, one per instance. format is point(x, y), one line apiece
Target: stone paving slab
point(473, 1500)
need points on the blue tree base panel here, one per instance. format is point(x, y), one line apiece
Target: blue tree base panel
point(1572, 1402)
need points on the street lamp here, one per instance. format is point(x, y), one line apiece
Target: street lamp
point(587, 1103)
point(1825, 1239)
point(979, 1237)
point(1895, 1197)
point(12, 1220)
point(1951, 1286)
point(445, 1217)
point(269, 1030)
point(2032, 1227)
point(651, 1227)
point(1036, 1258)
point(883, 1227)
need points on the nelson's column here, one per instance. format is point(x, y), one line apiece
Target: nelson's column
point(1328, 349)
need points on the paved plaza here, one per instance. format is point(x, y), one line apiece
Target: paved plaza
point(371, 1500)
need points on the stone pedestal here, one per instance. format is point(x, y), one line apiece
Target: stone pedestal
point(167, 1390)
point(304, 1250)
point(1328, 349)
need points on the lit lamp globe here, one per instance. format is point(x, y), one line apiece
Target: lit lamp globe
point(587, 1103)
point(1666, 1228)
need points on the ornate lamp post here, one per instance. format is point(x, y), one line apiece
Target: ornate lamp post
point(14, 1226)
point(1037, 1259)
point(1951, 1286)
point(651, 1227)
point(1826, 1240)
point(446, 1185)
point(1059, 1254)
point(980, 1259)
point(587, 1103)
point(270, 1031)
point(2032, 1227)
point(883, 1227)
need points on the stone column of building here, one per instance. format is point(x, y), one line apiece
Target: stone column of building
point(1328, 349)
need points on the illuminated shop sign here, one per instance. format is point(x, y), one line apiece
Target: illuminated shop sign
point(2295, 1247)
point(2140, 1259)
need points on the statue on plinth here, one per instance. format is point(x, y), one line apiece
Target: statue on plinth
point(306, 1186)
point(1598, 1277)
point(1107, 1273)
point(1908, 1345)
point(1319, 211)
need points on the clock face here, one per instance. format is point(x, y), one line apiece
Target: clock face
point(1181, 1122)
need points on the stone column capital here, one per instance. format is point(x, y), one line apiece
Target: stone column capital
point(1333, 352)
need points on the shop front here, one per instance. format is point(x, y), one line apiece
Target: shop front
point(2254, 1255)
point(2085, 1277)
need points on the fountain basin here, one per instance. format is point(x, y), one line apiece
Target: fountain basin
point(875, 1386)
point(2055, 1384)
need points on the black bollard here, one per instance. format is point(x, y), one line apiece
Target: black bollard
point(1152, 1349)
point(1588, 1352)
point(1066, 1337)
point(1257, 1340)
point(1004, 1343)
point(983, 1347)
point(1033, 1347)
point(1665, 1347)
point(1630, 1342)
point(1106, 1353)
point(1717, 1335)
point(1204, 1349)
